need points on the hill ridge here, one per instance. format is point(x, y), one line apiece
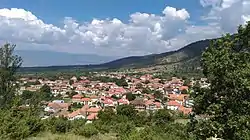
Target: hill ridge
point(180, 58)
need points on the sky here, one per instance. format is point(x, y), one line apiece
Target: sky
point(117, 27)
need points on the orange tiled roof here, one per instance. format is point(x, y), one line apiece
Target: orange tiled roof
point(86, 99)
point(92, 116)
point(179, 97)
point(173, 103)
point(183, 88)
point(93, 110)
point(77, 96)
point(185, 110)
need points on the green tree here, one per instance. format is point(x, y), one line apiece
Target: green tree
point(106, 115)
point(58, 125)
point(226, 65)
point(186, 82)
point(45, 89)
point(9, 64)
point(88, 130)
point(27, 95)
point(158, 94)
point(71, 82)
point(130, 96)
point(121, 82)
point(126, 110)
point(163, 116)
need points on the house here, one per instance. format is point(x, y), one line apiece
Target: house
point(74, 79)
point(63, 113)
point(181, 98)
point(58, 101)
point(86, 101)
point(185, 110)
point(81, 90)
point(150, 105)
point(138, 104)
point(92, 116)
point(79, 114)
point(183, 88)
point(77, 98)
point(118, 91)
point(94, 98)
point(123, 101)
point(93, 110)
point(108, 102)
point(56, 107)
point(153, 105)
point(173, 105)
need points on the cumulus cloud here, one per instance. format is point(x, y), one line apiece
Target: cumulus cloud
point(228, 13)
point(144, 33)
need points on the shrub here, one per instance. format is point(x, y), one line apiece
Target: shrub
point(88, 130)
point(58, 125)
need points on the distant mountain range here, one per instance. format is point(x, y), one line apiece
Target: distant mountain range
point(184, 58)
point(33, 58)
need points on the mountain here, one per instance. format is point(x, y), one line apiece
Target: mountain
point(184, 58)
point(33, 58)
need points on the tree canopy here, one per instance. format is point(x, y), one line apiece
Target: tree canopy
point(226, 65)
point(9, 64)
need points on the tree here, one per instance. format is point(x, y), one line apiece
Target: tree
point(158, 94)
point(186, 82)
point(106, 115)
point(163, 116)
point(139, 86)
point(147, 82)
point(27, 95)
point(88, 130)
point(126, 110)
point(45, 89)
point(71, 82)
point(121, 82)
point(226, 65)
point(9, 64)
point(130, 96)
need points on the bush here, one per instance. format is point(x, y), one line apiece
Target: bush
point(124, 128)
point(88, 130)
point(18, 124)
point(58, 125)
point(102, 127)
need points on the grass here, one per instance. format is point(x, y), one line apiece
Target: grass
point(69, 136)
point(183, 121)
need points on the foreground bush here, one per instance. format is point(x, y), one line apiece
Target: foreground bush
point(19, 124)
point(88, 130)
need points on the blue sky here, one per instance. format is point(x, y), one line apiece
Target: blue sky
point(53, 11)
point(117, 27)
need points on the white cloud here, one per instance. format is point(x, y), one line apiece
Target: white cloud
point(144, 33)
point(228, 13)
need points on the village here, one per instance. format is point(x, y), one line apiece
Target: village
point(82, 97)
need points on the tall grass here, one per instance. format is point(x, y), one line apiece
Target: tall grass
point(68, 136)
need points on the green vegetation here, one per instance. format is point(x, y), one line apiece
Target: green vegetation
point(226, 65)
